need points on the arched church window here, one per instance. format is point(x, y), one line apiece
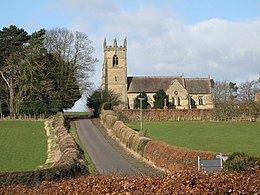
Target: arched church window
point(179, 101)
point(173, 101)
point(115, 60)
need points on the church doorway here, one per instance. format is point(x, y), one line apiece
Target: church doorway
point(192, 103)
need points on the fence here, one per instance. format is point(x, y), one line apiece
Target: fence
point(24, 117)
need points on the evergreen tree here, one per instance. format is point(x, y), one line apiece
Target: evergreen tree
point(95, 100)
point(12, 43)
point(32, 79)
point(159, 98)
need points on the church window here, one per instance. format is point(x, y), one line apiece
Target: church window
point(115, 78)
point(201, 100)
point(179, 101)
point(115, 60)
point(173, 101)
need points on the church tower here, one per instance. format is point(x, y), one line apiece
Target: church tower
point(114, 72)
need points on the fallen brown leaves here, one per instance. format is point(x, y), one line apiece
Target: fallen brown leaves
point(183, 182)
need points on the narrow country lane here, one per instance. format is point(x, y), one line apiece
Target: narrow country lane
point(106, 159)
point(107, 155)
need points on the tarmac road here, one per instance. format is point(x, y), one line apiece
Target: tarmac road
point(107, 155)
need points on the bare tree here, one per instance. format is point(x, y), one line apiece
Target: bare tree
point(247, 91)
point(224, 92)
point(75, 48)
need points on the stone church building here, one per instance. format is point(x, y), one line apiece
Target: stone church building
point(184, 93)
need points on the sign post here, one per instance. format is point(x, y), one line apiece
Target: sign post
point(141, 113)
point(220, 157)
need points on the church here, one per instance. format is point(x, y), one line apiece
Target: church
point(184, 93)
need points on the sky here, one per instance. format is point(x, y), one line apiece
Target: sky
point(194, 38)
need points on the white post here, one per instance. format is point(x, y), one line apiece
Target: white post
point(221, 162)
point(198, 163)
point(141, 113)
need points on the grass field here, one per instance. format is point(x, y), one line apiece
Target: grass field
point(76, 113)
point(209, 136)
point(23, 145)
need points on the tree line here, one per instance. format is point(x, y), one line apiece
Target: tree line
point(232, 100)
point(43, 72)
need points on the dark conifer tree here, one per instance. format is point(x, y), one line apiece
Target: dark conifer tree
point(159, 98)
point(144, 101)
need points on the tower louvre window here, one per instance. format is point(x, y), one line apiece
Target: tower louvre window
point(115, 60)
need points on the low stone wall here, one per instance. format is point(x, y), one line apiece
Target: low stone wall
point(156, 152)
point(169, 114)
point(69, 164)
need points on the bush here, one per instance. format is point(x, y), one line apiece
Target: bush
point(122, 117)
point(242, 163)
point(106, 106)
point(173, 158)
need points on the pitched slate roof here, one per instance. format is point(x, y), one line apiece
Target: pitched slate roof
point(151, 84)
point(198, 85)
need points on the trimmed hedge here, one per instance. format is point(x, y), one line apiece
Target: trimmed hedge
point(159, 153)
point(173, 158)
point(32, 177)
point(127, 136)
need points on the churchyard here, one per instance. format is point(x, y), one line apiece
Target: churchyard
point(23, 145)
point(222, 136)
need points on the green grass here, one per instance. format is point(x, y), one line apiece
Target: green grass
point(91, 167)
point(76, 113)
point(226, 137)
point(23, 145)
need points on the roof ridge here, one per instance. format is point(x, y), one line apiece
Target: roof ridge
point(156, 76)
point(197, 78)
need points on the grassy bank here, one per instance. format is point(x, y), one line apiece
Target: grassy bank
point(204, 135)
point(23, 145)
point(90, 164)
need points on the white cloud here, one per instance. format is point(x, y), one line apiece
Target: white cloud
point(161, 44)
